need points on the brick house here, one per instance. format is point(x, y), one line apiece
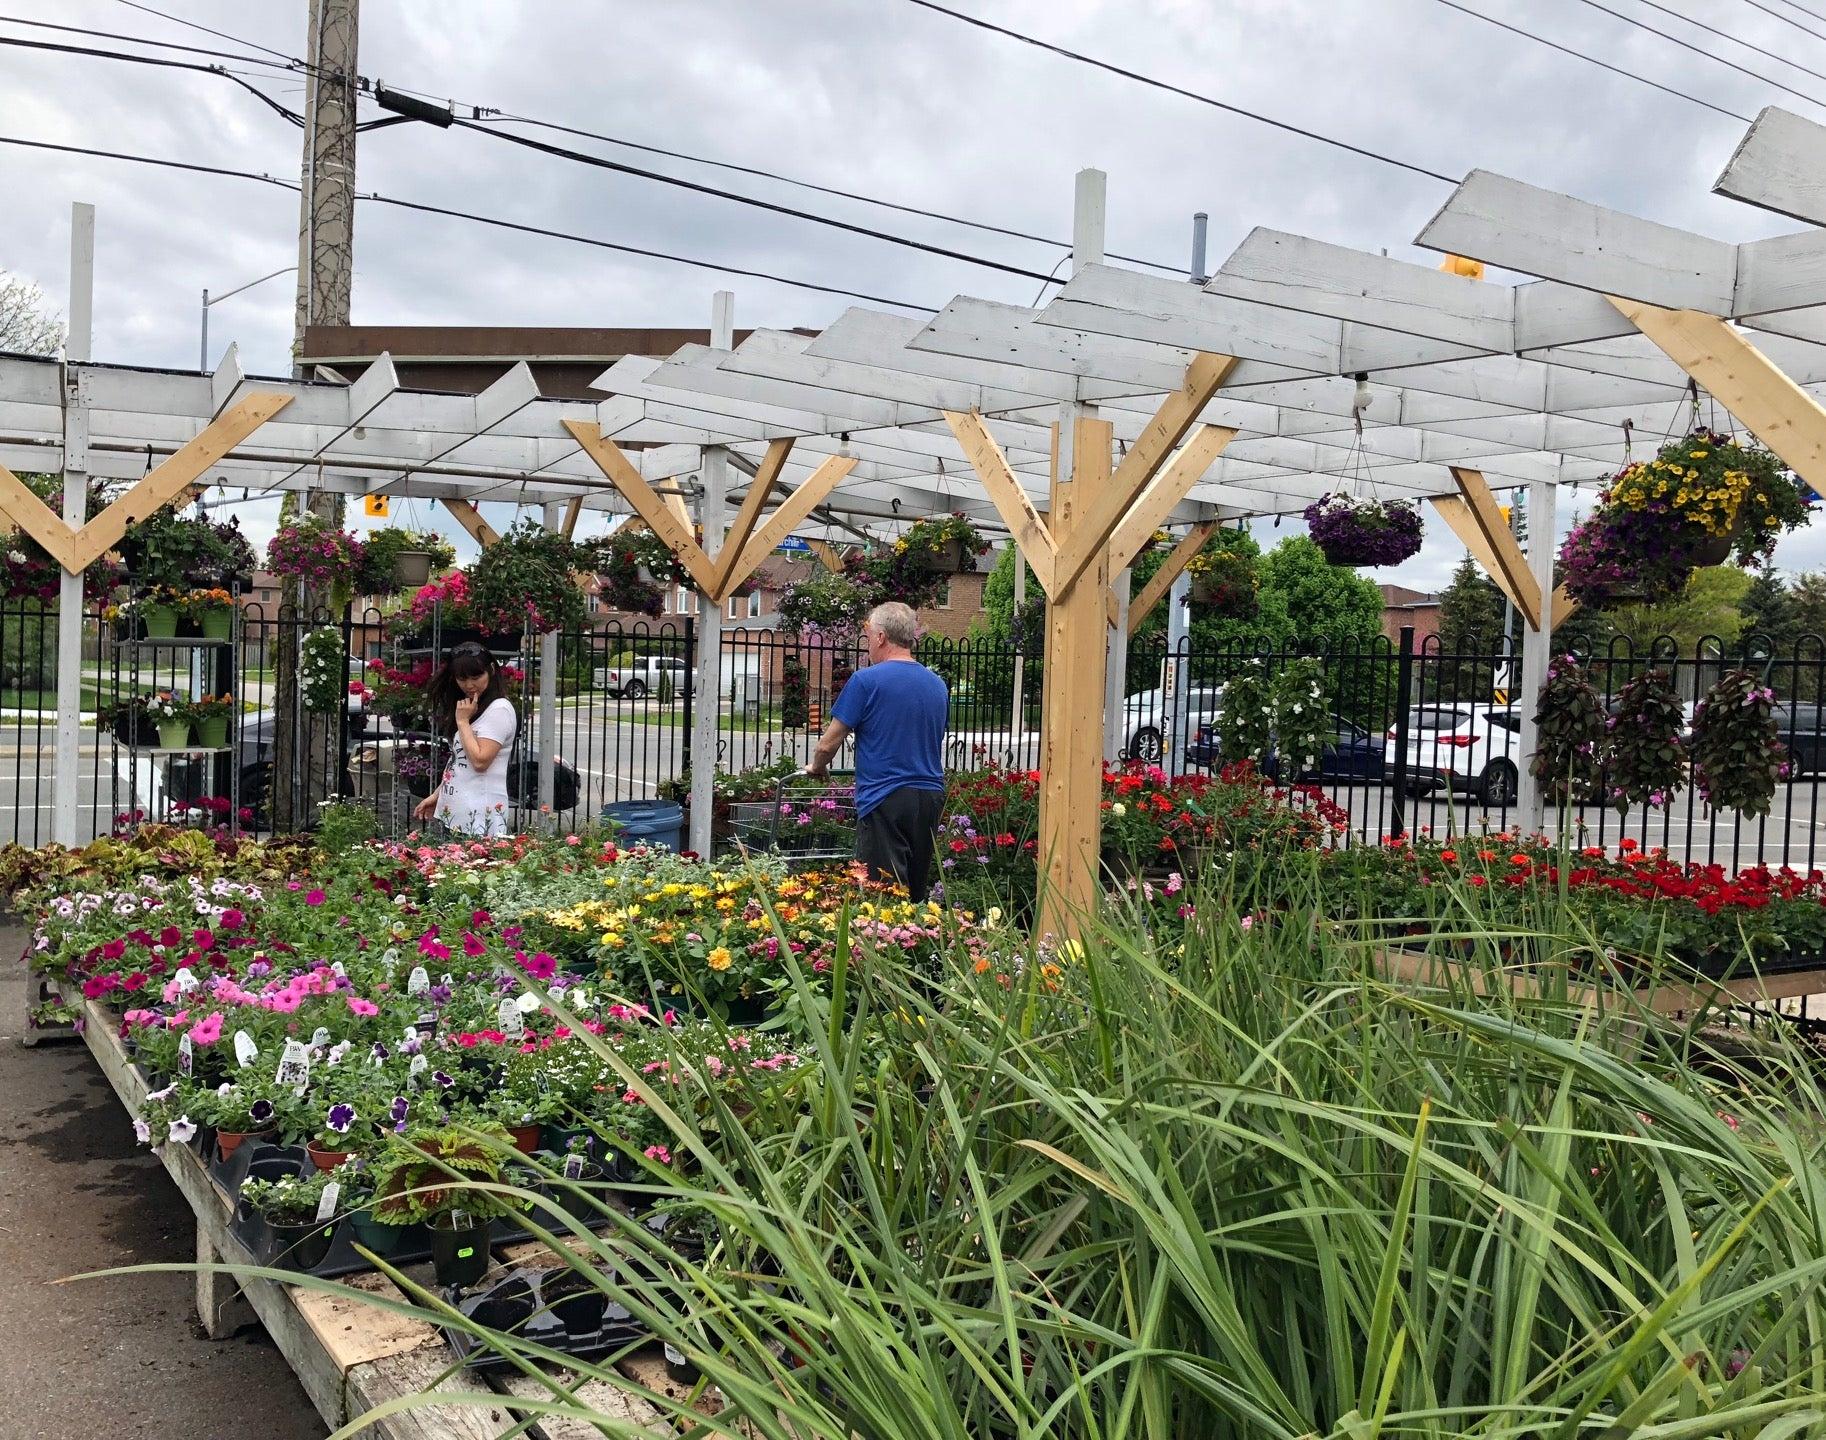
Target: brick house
point(1402, 606)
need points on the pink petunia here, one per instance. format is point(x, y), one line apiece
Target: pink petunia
point(359, 1006)
point(539, 965)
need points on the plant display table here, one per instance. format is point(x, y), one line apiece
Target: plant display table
point(352, 1356)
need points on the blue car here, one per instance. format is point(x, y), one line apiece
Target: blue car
point(1351, 753)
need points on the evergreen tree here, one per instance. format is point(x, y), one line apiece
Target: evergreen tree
point(1769, 610)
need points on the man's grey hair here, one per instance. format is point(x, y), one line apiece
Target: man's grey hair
point(896, 622)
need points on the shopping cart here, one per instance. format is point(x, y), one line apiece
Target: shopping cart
point(807, 820)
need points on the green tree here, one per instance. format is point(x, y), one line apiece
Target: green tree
point(1710, 604)
point(1471, 611)
point(1769, 610)
point(1326, 605)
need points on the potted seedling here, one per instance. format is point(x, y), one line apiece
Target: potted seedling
point(577, 1172)
point(356, 1177)
point(241, 1112)
point(334, 1141)
point(210, 715)
point(430, 1176)
point(293, 1207)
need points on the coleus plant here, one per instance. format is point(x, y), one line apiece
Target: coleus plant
point(1737, 749)
point(1569, 728)
point(1645, 761)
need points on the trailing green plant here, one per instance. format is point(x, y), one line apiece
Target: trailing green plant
point(382, 547)
point(1569, 728)
point(1302, 723)
point(1645, 760)
point(941, 540)
point(343, 824)
point(1245, 718)
point(320, 671)
point(824, 601)
point(185, 551)
point(527, 580)
point(288, 1200)
point(1737, 750)
point(795, 693)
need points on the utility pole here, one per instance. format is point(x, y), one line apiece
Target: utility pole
point(326, 270)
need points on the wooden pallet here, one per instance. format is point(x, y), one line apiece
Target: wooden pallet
point(1417, 967)
point(351, 1356)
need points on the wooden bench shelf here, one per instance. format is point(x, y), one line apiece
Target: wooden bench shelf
point(351, 1356)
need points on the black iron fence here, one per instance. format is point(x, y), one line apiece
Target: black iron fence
point(1421, 738)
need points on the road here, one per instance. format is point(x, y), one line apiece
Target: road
point(622, 755)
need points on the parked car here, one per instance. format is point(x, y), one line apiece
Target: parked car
point(642, 676)
point(1147, 721)
point(1803, 731)
point(1351, 753)
point(1474, 748)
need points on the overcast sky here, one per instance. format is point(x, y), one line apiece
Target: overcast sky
point(878, 96)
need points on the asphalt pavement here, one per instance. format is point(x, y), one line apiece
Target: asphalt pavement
point(119, 1357)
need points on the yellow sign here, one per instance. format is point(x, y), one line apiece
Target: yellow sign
point(374, 506)
point(1459, 265)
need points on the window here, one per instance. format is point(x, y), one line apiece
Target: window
point(944, 596)
point(1511, 723)
point(754, 604)
point(685, 602)
point(734, 610)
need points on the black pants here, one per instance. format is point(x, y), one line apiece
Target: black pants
point(895, 838)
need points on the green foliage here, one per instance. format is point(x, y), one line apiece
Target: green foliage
point(1711, 603)
point(320, 671)
point(795, 693)
point(381, 547)
point(1246, 720)
point(528, 580)
point(1302, 722)
point(289, 1200)
point(1569, 728)
point(1645, 762)
point(1737, 748)
point(342, 825)
point(427, 1173)
point(1326, 604)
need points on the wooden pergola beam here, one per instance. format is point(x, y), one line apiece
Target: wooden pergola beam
point(1457, 514)
point(811, 492)
point(1113, 502)
point(1162, 579)
point(1165, 492)
point(661, 518)
point(766, 474)
point(1745, 381)
point(571, 512)
point(1030, 532)
point(470, 518)
point(1503, 556)
point(76, 547)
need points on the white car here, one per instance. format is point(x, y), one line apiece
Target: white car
point(1475, 748)
point(1147, 722)
point(638, 678)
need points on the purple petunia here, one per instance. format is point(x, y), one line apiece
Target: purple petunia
point(340, 1118)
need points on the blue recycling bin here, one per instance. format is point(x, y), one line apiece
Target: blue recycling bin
point(656, 823)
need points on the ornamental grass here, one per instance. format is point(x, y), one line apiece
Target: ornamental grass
point(1207, 1172)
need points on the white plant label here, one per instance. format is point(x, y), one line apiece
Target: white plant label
point(246, 1052)
point(320, 1038)
point(326, 1206)
point(511, 1022)
point(573, 1167)
point(338, 971)
point(187, 1056)
point(185, 980)
point(294, 1066)
point(674, 1356)
point(419, 981)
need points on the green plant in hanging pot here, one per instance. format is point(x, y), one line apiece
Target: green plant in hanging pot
point(1245, 717)
point(1645, 761)
point(1569, 728)
point(395, 559)
point(948, 544)
point(179, 552)
point(320, 671)
point(824, 602)
point(1225, 582)
point(528, 580)
point(1738, 757)
point(630, 571)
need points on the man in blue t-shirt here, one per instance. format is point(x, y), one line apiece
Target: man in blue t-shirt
point(896, 709)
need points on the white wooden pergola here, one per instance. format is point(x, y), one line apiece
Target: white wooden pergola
point(1127, 402)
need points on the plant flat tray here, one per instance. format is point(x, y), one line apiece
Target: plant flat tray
point(351, 1356)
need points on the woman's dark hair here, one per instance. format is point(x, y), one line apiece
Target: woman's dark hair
point(466, 661)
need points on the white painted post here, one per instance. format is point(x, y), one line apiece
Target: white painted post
point(1173, 677)
point(1017, 711)
point(66, 785)
point(1090, 195)
point(1115, 679)
point(1536, 645)
point(707, 683)
point(553, 516)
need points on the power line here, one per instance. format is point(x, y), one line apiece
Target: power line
point(490, 220)
point(1181, 91)
point(600, 163)
point(159, 62)
point(1789, 19)
point(1581, 55)
point(143, 40)
point(219, 34)
point(1691, 49)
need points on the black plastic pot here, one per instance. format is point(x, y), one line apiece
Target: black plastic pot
point(459, 1257)
point(576, 1302)
point(678, 1367)
point(506, 1307)
point(135, 727)
point(301, 1247)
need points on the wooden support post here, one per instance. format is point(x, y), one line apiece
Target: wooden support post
point(1163, 495)
point(661, 518)
point(766, 475)
point(1457, 514)
point(1071, 722)
point(571, 512)
point(470, 518)
point(1030, 532)
point(812, 491)
point(1171, 568)
point(1745, 381)
point(1517, 581)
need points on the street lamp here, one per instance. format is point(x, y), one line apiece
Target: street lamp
point(203, 363)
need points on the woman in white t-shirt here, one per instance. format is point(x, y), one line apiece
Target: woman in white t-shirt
point(469, 706)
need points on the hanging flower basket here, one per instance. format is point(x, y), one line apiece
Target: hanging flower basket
point(1225, 584)
point(947, 545)
point(1354, 531)
point(1704, 499)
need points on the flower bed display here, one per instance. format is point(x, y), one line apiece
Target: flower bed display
point(1704, 499)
